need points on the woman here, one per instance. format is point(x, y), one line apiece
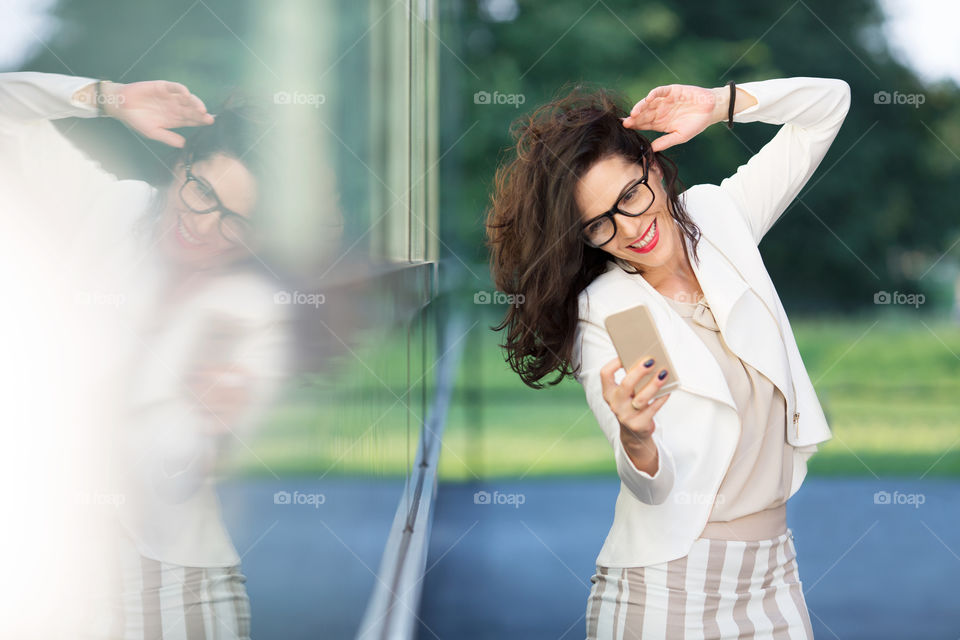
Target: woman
point(590, 219)
point(188, 354)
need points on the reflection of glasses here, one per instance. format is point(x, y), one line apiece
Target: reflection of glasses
point(634, 201)
point(200, 197)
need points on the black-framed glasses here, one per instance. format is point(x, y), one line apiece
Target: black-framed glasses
point(635, 200)
point(197, 194)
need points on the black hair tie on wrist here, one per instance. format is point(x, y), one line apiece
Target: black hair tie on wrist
point(733, 99)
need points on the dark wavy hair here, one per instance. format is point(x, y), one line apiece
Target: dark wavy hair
point(533, 223)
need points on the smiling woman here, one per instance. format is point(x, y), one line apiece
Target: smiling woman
point(211, 213)
point(588, 220)
point(206, 216)
point(574, 161)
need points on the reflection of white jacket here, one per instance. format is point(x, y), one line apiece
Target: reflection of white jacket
point(76, 223)
point(658, 517)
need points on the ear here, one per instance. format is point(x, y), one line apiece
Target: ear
point(655, 169)
point(656, 173)
point(178, 168)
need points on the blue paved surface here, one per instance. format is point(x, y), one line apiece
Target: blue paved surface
point(868, 570)
point(309, 567)
point(512, 570)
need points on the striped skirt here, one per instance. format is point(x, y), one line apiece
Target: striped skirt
point(721, 589)
point(154, 600)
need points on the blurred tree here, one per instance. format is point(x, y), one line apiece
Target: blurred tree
point(852, 231)
point(843, 239)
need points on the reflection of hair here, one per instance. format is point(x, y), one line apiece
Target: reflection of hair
point(533, 224)
point(238, 128)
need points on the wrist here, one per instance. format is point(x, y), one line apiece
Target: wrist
point(640, 449)
point(642, 453)
point(721, 108)
point(110, 98)
point(721, 105)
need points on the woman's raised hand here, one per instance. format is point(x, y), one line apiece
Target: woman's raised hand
point(154, 107)
point(679, 110)
point(632, 411)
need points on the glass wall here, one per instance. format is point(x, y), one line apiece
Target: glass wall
point(359, 139)
point(346, 97)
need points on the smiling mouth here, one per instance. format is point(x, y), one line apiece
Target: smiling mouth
point(184, 235)
point(644, 241)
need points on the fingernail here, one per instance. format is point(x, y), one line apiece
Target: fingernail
point(662, 374)
point(648, 363)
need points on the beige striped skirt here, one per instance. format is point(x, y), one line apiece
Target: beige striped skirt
point(721, 589)
point(154, 600)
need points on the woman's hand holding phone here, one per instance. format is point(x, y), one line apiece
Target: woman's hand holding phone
point(630, 406)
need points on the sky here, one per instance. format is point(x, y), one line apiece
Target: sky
point(24, 25)
point(923, 35)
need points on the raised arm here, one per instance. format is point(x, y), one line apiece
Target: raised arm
point(29, 95)
point(811, 111)
point(150, 108)
point(49, 176)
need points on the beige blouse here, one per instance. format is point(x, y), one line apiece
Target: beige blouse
point(751, 500)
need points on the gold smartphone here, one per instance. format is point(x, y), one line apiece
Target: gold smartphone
point(635, 336)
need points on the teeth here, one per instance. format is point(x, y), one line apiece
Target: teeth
point(645, 240)
point(186, 234)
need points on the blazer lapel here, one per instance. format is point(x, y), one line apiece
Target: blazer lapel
point(696, 367)
point(745, 322)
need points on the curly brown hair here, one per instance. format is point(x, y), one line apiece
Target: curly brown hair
point(533, 223)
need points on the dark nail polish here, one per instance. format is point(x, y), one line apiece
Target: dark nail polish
point(662, 375)
point(648, 363)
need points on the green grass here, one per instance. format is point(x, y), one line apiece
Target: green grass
point(890, 386)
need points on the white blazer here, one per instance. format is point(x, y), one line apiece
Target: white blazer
point(657, 518)
point(68, 242)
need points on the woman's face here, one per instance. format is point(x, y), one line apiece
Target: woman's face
point(201, 240)
point(598, 191)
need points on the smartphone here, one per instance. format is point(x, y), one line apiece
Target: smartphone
point(635, 336)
